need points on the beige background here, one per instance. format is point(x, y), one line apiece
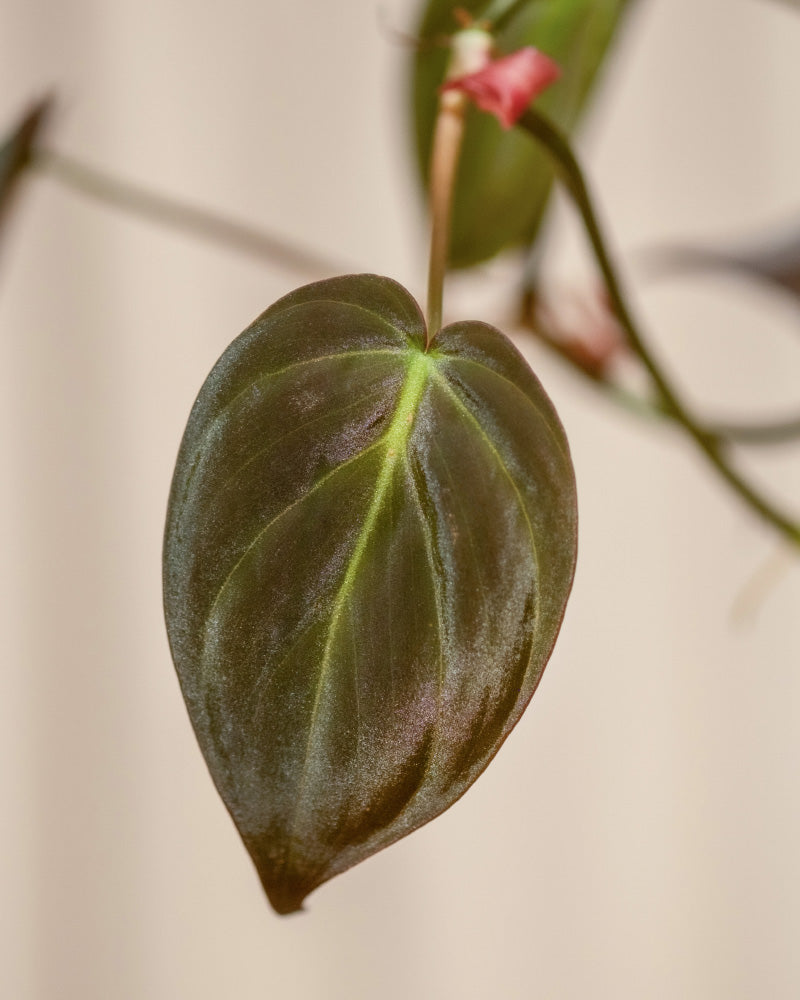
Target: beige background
point(638, 835)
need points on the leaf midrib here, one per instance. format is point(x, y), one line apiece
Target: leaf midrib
point(395, 441)
point(498, 458)
point(383, 440)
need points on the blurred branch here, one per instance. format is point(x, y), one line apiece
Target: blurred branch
point(185, 217)
point(556, 144)
point(776, 433)
point(774, 262)
point(17, 150)
point(767, 433)
point(794, 4)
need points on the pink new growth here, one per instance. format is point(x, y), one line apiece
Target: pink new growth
point(505, 87)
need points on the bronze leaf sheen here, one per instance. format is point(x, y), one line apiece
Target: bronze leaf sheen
point(368, 553)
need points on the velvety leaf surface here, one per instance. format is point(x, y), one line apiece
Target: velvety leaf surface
point(367, 557)
point(504, 182)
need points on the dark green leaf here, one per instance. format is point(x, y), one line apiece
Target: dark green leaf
point(367, 557)
point(16, 151)
point(504, 182)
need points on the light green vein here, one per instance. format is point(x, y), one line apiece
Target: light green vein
point(428, 536)
point(546, 418)
point(356, 682)
point(266, 680)
point(200, 448)
point(458, 501)
point(270, 524)
point(305, 363)
point(380, 319)
point(395, 441)
point(275, 373)
point(325, 416)
point(463, 408)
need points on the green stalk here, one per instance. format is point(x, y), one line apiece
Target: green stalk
point(447, 139)
point(556, 144)
point(766, 433)
point(470, 51)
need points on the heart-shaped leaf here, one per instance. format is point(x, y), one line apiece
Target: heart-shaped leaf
point(504, 182)
point(367, 557)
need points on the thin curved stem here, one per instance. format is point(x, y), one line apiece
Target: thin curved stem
point(778, 432)
point(447, 139)
point(469, 51)
point(546, 133)
point(184, 217)
point(766, 433)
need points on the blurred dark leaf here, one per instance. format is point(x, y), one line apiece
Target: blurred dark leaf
point(16, 151)
point(504, 182)
point(367, 557)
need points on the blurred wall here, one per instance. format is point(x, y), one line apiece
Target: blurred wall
point(637, 836)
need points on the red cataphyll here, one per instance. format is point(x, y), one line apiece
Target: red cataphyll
point(506, 86)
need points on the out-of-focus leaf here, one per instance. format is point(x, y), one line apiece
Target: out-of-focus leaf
point(773, 259)
point(504, 182)
point(367, 557)
point(17, 149)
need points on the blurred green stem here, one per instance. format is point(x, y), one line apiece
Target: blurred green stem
point(765, 433)
point(556, 144)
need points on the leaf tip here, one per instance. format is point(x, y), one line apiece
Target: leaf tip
point(285, 905)
point(286, 885)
